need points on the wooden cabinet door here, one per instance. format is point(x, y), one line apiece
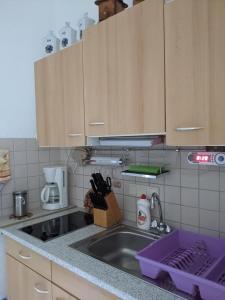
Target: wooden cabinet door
point(124, 73)
point(49, 101)
point(59, 98)
point(24, 284)
point(136, 73)
point(78, 286)
point(59, 294)
point(96, 85)
point(73, 100)
point(195, 72)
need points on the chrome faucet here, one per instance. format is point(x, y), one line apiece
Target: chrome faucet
point(161, 226)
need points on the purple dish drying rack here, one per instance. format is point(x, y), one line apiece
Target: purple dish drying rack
point(192, 260)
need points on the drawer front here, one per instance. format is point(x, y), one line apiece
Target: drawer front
point(25, 284)
point(59, 294)
point(29, 258)
point(77, 286)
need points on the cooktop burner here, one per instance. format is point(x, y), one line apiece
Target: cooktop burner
point(57, 227)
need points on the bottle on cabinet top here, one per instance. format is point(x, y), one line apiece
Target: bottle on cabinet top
point(84, 23)
point(51, 43)
point(67, 36)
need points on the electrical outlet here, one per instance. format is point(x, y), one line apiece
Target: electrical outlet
point(151, 190)
point(117, 184)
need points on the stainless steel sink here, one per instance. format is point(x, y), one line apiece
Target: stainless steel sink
point(117, 247)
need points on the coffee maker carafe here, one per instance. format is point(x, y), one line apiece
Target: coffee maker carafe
point(54, 193)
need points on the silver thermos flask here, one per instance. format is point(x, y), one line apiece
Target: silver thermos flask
point(20, 203)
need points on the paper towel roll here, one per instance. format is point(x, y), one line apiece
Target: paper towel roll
point(106, 161)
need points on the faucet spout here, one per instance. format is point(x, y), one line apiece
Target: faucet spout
point(162, 227)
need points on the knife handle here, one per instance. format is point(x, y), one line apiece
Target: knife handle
point(93, 186)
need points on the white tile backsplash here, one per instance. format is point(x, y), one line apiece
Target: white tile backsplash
point(27, 162)
point(172, 212)
point(173, 177)
point(193, 198)
point(172, 194)
point(32, 157)
point(189, 197)
point(190, 215)
point(209, 219)
point(222, 201)
point(130, 204)
point(209, 180)
point(222, 181)
point(209, 200)
point(189, 178)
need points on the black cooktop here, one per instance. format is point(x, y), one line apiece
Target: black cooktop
point(57, 227)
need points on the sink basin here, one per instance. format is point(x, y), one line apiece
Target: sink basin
point(117, 247)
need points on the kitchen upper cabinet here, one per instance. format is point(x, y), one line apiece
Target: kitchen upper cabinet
point(124, 73)
point(195, 72)
point(59, 98)
point(95, 48)
point(24, 284)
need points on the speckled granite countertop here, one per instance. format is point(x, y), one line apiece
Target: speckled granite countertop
point(117, 282)
point(37, 213)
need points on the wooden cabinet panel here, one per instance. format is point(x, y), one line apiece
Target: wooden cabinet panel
point(59, 294)
point(96, 86)
point(195, 72)
point(49, 101)
point(124, 73)
point(77, 286)
point(136, 73)
point(72, 70)
point(29, 258)
point(24, 284)
point(59, 98)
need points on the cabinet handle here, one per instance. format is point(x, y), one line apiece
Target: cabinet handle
point(96, 124)
point(188, 128)
point(24, 256)
point(39, 290)
point(168, 1)
point(74, 134)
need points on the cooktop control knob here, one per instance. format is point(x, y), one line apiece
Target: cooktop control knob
point(220, 159)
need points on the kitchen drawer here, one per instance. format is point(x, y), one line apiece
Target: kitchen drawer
point(59, 294)
point(29, 258)
point(25, 284)
point(77, 286)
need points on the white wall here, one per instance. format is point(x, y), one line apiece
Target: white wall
point(23, 24)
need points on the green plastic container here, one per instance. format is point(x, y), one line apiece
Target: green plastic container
point(146, 169)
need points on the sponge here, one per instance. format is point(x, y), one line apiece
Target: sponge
point(145, 169)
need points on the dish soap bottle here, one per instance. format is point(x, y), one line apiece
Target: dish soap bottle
point(143, 213)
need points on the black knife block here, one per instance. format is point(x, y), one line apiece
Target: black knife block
point(109, 217)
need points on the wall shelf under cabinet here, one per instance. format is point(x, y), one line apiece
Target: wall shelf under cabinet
point(143, 175)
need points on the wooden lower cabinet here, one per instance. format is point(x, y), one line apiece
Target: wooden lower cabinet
point(24, 281)
point(59, 294)
point(25, 284)
point(77, 286)
point(26, 256)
